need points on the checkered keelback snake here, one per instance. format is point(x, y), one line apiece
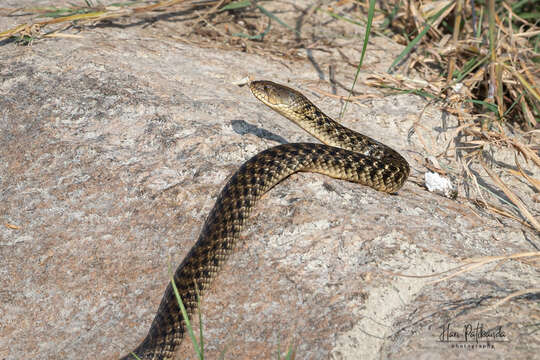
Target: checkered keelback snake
point(345, 155)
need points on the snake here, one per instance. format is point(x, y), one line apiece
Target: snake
point(344, 154)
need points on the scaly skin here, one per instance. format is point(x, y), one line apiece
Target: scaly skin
point(346, 155)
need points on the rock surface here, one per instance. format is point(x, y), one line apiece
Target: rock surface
point(113, 149)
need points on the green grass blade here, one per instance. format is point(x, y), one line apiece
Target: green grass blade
point(371, 11)
point(466, 69)
point(388, 20)
point(340, 17)
point(480, 19)
point(201, 338)
point(65, 12)
point(274, 17)
point(290, 353)
point(185, 316)
point(534, 16)
point(122, 4)
point(418, 92)
point(517, 6)
point(236, 5)
point(255, 37)
point(489, 106)
point(530, 88)
point(418, 37)
point(513, 104)
point(222, 353)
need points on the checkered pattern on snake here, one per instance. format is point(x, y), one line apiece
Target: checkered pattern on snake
point(345, 155)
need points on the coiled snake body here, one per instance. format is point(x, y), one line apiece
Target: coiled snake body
point(346, 155)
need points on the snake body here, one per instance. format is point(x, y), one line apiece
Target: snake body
point(345, 155)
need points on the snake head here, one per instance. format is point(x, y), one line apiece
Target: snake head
point(278, 97)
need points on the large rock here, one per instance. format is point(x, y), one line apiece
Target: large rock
point(113, 149)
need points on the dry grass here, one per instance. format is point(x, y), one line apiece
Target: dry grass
point(482, 66)
point(471, 264)
point(227, 23)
